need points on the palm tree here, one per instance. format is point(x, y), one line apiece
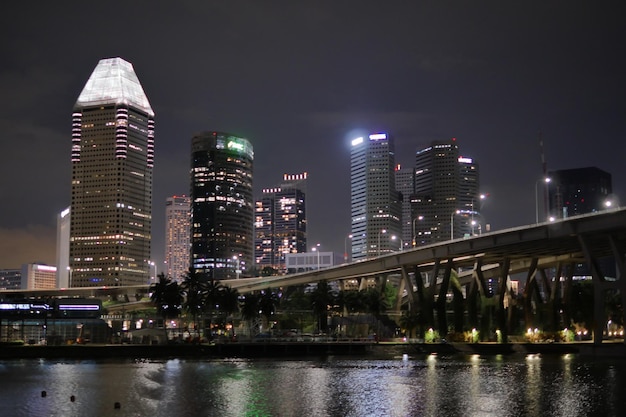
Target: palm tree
point(229, 303)
point(167, 297)
point(193, 286)
point(268, 302)
point(321, 298)
point(249, 305)
point(212, 300)
point(409, 321)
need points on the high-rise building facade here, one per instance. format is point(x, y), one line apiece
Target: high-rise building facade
point(39, 277)
point(280, 223)
point(222, 213)
point(177, 236)
point(578, 191)
point(375, 203)
point(63, 248)
point(406, 187)
point(112, 163)
point(446, 201)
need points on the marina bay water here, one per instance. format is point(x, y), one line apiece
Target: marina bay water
point(424, 385)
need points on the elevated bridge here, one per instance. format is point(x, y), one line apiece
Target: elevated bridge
point(545, 254)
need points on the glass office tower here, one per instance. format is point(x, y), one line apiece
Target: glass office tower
point(221, 205)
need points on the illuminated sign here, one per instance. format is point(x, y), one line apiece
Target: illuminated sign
point(235, 145)
point(465, 160)
point(357, 141)
point(79, 307)
point(378, 136)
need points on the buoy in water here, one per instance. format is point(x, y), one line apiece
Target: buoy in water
point(43, 394)
point(117, 405)
point(72, 398)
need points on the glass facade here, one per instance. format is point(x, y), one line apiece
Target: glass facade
point(221, 205)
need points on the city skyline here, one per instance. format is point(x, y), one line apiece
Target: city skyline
point(301, 82)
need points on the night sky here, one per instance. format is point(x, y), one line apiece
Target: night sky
point(300, 80)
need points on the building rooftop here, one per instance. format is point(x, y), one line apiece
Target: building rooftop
point(114, 81)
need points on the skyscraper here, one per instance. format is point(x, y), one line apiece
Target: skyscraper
point(375, 203)
point(221, 205)
point(177, 236)
point(280, 223)
point(112, 162)
point(446, 202)
point(406, 187)
point(63, 248)
point(578, 191)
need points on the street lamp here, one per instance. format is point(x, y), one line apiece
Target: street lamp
point(452, 223)
point(69, 271)
point(480, 206)
point(414, 234)
point(345, 248)
point(317, 248)
point(394, 237)
point(545, 180)
point(380, 233)
point(153, 264)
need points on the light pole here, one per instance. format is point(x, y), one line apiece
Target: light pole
point(394, 237)
point(545, 180)
point(452, 223)
point(380, 233)
point(414, 234)
point(318, 255)
point(480, 206)
point(345, 248)
point(153, 264)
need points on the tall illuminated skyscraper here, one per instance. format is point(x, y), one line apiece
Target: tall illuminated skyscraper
point(446, 203)
point(375, 203)
point(221, 205)
point(177, 236)
point(112, 163)
point(280, 223)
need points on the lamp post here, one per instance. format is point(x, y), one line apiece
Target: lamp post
point(545, 180)
point(452, 223)
point(394, 237)
point(380, 233)
point(317, 248)
point(414, 234)
point(69, 271)
point(345, 248)
point(152, 264)
point(480, 206)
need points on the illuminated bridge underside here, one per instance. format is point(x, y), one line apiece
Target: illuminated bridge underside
point(530, 250)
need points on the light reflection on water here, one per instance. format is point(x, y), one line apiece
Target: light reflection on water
point(336, 386)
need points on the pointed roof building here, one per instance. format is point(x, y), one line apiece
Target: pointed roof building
point(114, 81)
